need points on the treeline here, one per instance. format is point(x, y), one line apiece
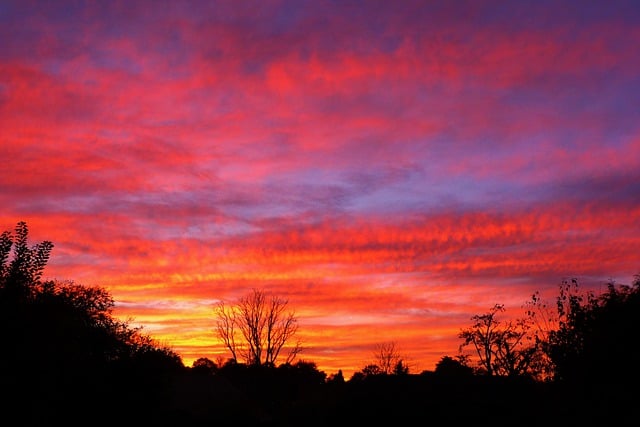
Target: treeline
point(66, 359)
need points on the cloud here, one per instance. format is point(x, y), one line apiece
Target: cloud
point(378, 165)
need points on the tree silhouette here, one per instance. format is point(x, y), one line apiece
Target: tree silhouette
point(204, 365)
point(597, 334)
point(484, 334)
point(60, 343)
point(257, 328)
point(389, 360)
point(20, 273)
point(453, 367)
point(504, 348)
point(66, 359)
point(543, 321)
point(337, 378)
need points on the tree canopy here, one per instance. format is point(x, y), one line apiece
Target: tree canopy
point(597, 334)
point(66, 358)
point(60, 340)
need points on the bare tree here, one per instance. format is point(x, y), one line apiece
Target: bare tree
point(388, 359)
point(483, 334)
point(506, 348)
point(257, 328)
point(226, 327)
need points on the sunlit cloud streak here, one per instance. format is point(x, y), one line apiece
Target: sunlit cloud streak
point(388, 167)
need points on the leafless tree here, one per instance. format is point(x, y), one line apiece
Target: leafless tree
point(257, 328)
point(226, 327)
point(388, 359)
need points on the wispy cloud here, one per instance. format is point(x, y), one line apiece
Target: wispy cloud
point(392, 170)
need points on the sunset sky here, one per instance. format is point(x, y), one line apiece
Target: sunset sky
point(390, 168)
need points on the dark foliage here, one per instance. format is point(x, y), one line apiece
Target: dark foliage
point(449, 367)
point(597, 336)
point(64, 356)
point(65, 360)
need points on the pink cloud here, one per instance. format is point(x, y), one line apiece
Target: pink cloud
point(390, 172)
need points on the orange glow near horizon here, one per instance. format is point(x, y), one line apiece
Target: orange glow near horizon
point(390, 171)
point(351, 286)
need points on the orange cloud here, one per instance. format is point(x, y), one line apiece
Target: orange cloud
point(392, 171)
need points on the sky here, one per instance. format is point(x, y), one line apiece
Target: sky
point(391, 169)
